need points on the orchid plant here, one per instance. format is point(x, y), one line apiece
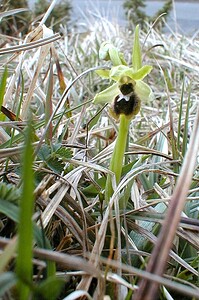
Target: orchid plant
point(125, 96)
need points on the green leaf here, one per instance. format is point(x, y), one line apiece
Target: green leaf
point(136, 54)
point(24, 265)
point(9, 192)
point(50, 288)
point(3, 85)
point(10, 210)
point(2, 89)
point(7, 281)
point(92, 191)
point(94, 119)
point(107, 95)
point(55, 164)
point(64, 152)
point(53, 156)
point(44, 152)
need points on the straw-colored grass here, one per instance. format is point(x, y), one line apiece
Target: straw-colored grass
point(82, 247)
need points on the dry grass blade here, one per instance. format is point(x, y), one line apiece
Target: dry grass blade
point(63, 99)
point(193, 68)
point(12, 12)
point(48, 12)
point(99, 244)
point(53, 204)
point(64, 260)
point(191, 237)
point(67, 261)
point(161, 250)
point(8, 253)
point(152, 238)
point(31, 45)
point(44, 50)
point(9, 152)
point(187, 290)
point(107, 247)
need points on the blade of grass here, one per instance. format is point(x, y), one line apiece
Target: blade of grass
point(60, 76)
point(44, 50)
point(18, 100)
point(186, 124)
point(48, 105)
point(180, 115)
point(31, 45)
point(12, 12)
point(2, 89)
point(25, 226)
point(161, 250)
point(63, 99)
point(48, 12)
point(12, 212)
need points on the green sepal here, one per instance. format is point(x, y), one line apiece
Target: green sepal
point(144, 91)
point(107, 95)
point(103, 73)
point(136, 54)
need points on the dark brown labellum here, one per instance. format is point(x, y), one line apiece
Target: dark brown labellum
point(127, 107)
point(127, 103)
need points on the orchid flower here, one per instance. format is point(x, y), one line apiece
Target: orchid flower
point(125, 96)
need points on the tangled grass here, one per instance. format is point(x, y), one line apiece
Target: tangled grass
point(79, 247)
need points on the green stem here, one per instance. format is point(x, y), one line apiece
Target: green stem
point(117, 158)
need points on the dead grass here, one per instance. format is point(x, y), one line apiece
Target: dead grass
point(72, 152)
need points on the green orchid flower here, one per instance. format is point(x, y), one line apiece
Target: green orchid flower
point(128, 90)
point(125, 96)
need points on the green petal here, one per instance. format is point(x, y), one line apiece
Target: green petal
point(115, 56)
point(118, 72)
point(122, 58)
point(141, 73)
point(136, 54)
point(107, 95)
point(143, 91)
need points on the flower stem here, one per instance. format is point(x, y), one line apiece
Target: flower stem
point(117, 158)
